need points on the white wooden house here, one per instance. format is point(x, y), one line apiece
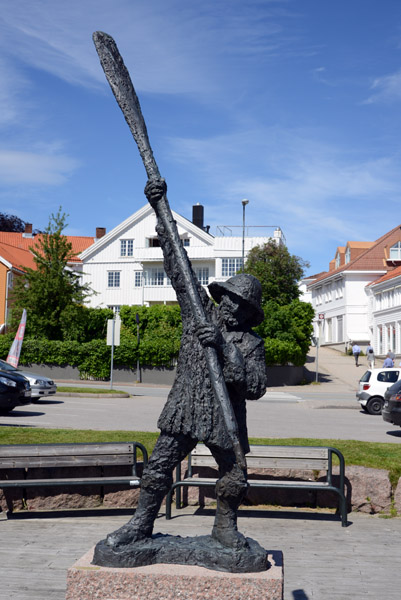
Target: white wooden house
point(125, 267)
point(358, 299)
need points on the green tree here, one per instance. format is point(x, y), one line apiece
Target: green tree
point(52, 290)
point(287, 331)
point(277, 270)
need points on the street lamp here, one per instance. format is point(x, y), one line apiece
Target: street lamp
point(244, 203)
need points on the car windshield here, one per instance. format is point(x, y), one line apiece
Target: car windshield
point(365, 377)
point(4, 366)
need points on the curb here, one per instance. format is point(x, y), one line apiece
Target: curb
point(90, 395)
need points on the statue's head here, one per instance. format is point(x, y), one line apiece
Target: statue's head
point(247, 290)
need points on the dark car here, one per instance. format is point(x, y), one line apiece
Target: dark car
point(392, 404)
point(14, 391)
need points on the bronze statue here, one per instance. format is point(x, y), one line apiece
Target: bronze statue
point(221, 363)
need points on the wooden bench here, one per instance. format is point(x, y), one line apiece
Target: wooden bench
point(270, 457)
point(55, 456)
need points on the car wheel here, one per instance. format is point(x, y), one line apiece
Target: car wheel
point(365, 408)
point(375, 405)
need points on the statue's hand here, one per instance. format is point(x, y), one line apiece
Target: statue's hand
point(155, 189)
point(209, 335)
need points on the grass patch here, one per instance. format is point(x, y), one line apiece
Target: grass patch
point(87, 390)
point(365, 454)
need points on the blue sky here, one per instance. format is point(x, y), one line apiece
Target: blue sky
point(293, 104)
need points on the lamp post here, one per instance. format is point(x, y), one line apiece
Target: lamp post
point(244, 203)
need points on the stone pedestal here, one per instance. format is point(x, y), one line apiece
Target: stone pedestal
point(169, 582)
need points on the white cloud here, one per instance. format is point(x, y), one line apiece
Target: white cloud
point(19, 168)
point(310, 189)
point(386, 89)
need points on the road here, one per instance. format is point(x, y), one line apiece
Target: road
point(279, 414)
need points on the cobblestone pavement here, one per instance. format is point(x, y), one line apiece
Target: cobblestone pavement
point(322, 560)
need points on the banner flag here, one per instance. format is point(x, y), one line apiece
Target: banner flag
point(15, 350)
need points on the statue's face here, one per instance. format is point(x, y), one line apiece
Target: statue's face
point(232, 310)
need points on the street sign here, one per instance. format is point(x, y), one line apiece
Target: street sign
point(321, 316)
point(113, 324)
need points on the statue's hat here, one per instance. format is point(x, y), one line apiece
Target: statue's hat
point(245, 287)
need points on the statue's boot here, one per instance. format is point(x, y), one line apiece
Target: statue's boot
point(141, 524)
point(225, 525)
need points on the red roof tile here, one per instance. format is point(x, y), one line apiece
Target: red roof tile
point(371, 259)
point(79, 243)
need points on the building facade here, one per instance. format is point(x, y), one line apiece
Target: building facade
point(125, 267)
point(352, 299)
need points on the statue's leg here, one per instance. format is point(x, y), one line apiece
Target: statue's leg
point(156, 481)
point(231, 489)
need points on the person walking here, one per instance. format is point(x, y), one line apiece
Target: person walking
point(356, 352)
point(370, 354)
point(388, 362)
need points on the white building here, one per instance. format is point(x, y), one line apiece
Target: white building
point(126, 265)
point(353, 301)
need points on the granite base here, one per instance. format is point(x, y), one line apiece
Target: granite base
point(169, 582)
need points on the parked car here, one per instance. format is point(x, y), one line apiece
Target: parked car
point(392, 404)
point(40, 386)
point(372, 387)
point(14, 391)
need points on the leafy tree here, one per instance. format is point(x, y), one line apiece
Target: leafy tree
point(287, 331)
point(277, 270)
point(11, 223)
point(50, 291)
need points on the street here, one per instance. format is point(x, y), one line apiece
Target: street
point(279, 414)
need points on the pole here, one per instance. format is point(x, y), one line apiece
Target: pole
point(112, 353)
point(138, 369)
point(124, 92)
point(317, 360)
point(244, 203)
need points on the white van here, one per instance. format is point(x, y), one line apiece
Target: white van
point(372, 386)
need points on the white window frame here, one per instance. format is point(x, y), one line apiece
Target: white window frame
point(230, 266)
point(113, 279)
point(202, 274)
point(126, 247)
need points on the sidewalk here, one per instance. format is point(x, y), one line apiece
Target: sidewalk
point(322, 560)
point(336, 371)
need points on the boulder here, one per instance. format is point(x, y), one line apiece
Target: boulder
point(397, 497)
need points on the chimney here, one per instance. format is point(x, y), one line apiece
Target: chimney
point(197, 215)
point(100, 232)
point(27, 231)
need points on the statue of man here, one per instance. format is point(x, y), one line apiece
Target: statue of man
point(192, 413)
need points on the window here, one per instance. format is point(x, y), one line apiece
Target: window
point(113, 279)
point(203, 275)
point(337, 260)
point(154, 277)
point(153, 242)
point(230, 266)
point(347, 255)
point(126, 247)
point(138, 282)
point(395, 251)
point(185, 242)
point(115, 308)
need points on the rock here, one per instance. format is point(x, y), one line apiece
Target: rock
point(397, 497)
point(369, 489)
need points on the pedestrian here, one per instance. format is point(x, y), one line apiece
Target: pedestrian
point(388, 362)
point(356, 352)
point(391, 354)
point(192, 412)
point(370, 353)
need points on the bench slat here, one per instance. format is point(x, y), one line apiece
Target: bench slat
point(267, 463)
point(129, 479)
point(65, 449)
point(259, 482)
point(272, 451)
point(20, 462)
